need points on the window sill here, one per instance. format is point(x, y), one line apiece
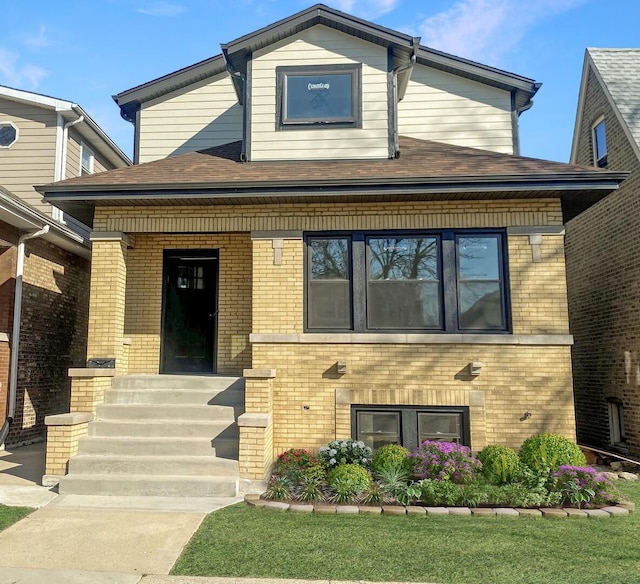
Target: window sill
point(411, 339)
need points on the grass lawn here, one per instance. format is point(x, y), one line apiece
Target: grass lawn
point(9, 515)
point(245, 542)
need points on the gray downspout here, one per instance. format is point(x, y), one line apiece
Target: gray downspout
point(15, 335)
point(243, 79)
point(394, 81)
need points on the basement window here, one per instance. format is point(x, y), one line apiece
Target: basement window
point(409, 426)
point(319, 96)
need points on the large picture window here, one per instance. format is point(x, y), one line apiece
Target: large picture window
point(433, 281)
point(409, 426)
point(318, 96)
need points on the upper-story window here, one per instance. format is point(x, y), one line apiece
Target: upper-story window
point(8, 134)
point(600, 144)
point(321, 95)
point(86, 159)
point(446, 281)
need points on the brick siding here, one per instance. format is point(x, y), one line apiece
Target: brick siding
point(603, 272)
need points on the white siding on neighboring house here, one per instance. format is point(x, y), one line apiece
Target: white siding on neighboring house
point(446, 108)
point(30, 160)
point(194, 118)
point(319, 45)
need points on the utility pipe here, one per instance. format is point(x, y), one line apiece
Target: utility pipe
point(15, 335)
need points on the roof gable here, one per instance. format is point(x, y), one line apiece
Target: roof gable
point(401, 48)
point(618, 73)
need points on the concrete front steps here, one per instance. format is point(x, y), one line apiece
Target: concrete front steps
point(161, 435)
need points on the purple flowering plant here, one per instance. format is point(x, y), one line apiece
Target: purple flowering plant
point(445, 461)
point(584, 486)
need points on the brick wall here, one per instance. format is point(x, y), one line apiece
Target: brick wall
point(143, 319)
point(53, 335)
point(603, 271)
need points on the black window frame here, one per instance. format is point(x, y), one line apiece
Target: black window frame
point(409, 420)
point(600, 161)
point(284, 72)
point(448, 280)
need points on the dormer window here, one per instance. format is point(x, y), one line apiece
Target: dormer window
point(322, 95)
point(600, 144)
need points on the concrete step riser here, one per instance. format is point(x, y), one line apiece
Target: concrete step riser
point(147, 447)
point(167, 487)
point(155, 466)
point(177, 382)
point(166, 412)
point(152, 429)
point(174, 396)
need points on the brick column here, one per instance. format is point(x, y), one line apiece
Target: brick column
point(256, 430)
point(63, 435)
point(88, 386)
point(107, 297)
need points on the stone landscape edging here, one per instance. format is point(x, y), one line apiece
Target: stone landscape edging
point(622, 509)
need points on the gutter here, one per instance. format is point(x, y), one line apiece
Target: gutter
point(15, 335)
point(241, 98)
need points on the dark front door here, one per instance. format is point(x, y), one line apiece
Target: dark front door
point(190, 310)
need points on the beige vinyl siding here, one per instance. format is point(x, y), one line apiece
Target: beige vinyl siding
point(74, 149)
point(446, 108)
point(199, 116)
point(29, 161)
point(319, 45)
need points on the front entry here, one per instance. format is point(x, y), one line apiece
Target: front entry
point(190, 311)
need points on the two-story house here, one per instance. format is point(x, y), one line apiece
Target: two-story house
point(602, 257)
point(44, 256)
point(337, 219)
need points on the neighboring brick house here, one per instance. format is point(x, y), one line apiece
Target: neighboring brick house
point(47, 276)
point(339, 217)
point(603, 256)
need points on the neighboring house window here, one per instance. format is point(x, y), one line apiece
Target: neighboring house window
point(409, 426)
point(86, 160)
point(600, 144)
point(321, 95)
point(430, 281)
point(8, 134)
point(616, 423)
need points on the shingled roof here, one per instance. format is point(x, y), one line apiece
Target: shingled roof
point(425, 170)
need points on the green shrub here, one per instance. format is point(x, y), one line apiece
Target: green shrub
point(310, 489)
point(499, 463)
point(391, 456)
point(550, 451)
point(436, 493)
point(393, 480)
point(585, 487)
point(349, 478)
point(347, 451)
point(278, 489)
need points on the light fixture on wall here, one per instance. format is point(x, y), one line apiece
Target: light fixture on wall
point(341, 367)
point(475, 368)
point(525, 416)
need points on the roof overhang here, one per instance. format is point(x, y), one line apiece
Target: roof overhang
point(26, 219)
point(70, 112)
point(581, 189)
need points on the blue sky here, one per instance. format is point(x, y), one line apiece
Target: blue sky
point(87, 51)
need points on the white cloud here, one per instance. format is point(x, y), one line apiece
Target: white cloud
point(37, 40)
point(15, 74)
point(365, 8)
point(484, 30)
point(162, 9)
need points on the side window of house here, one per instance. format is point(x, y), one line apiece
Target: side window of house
point(409, 426)
point(600, 144)
point(616, 423)
point(86, 159)
point(319, 96)
point(8, 134)
point(418, 282)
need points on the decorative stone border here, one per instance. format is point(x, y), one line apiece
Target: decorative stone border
point(551, 513)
